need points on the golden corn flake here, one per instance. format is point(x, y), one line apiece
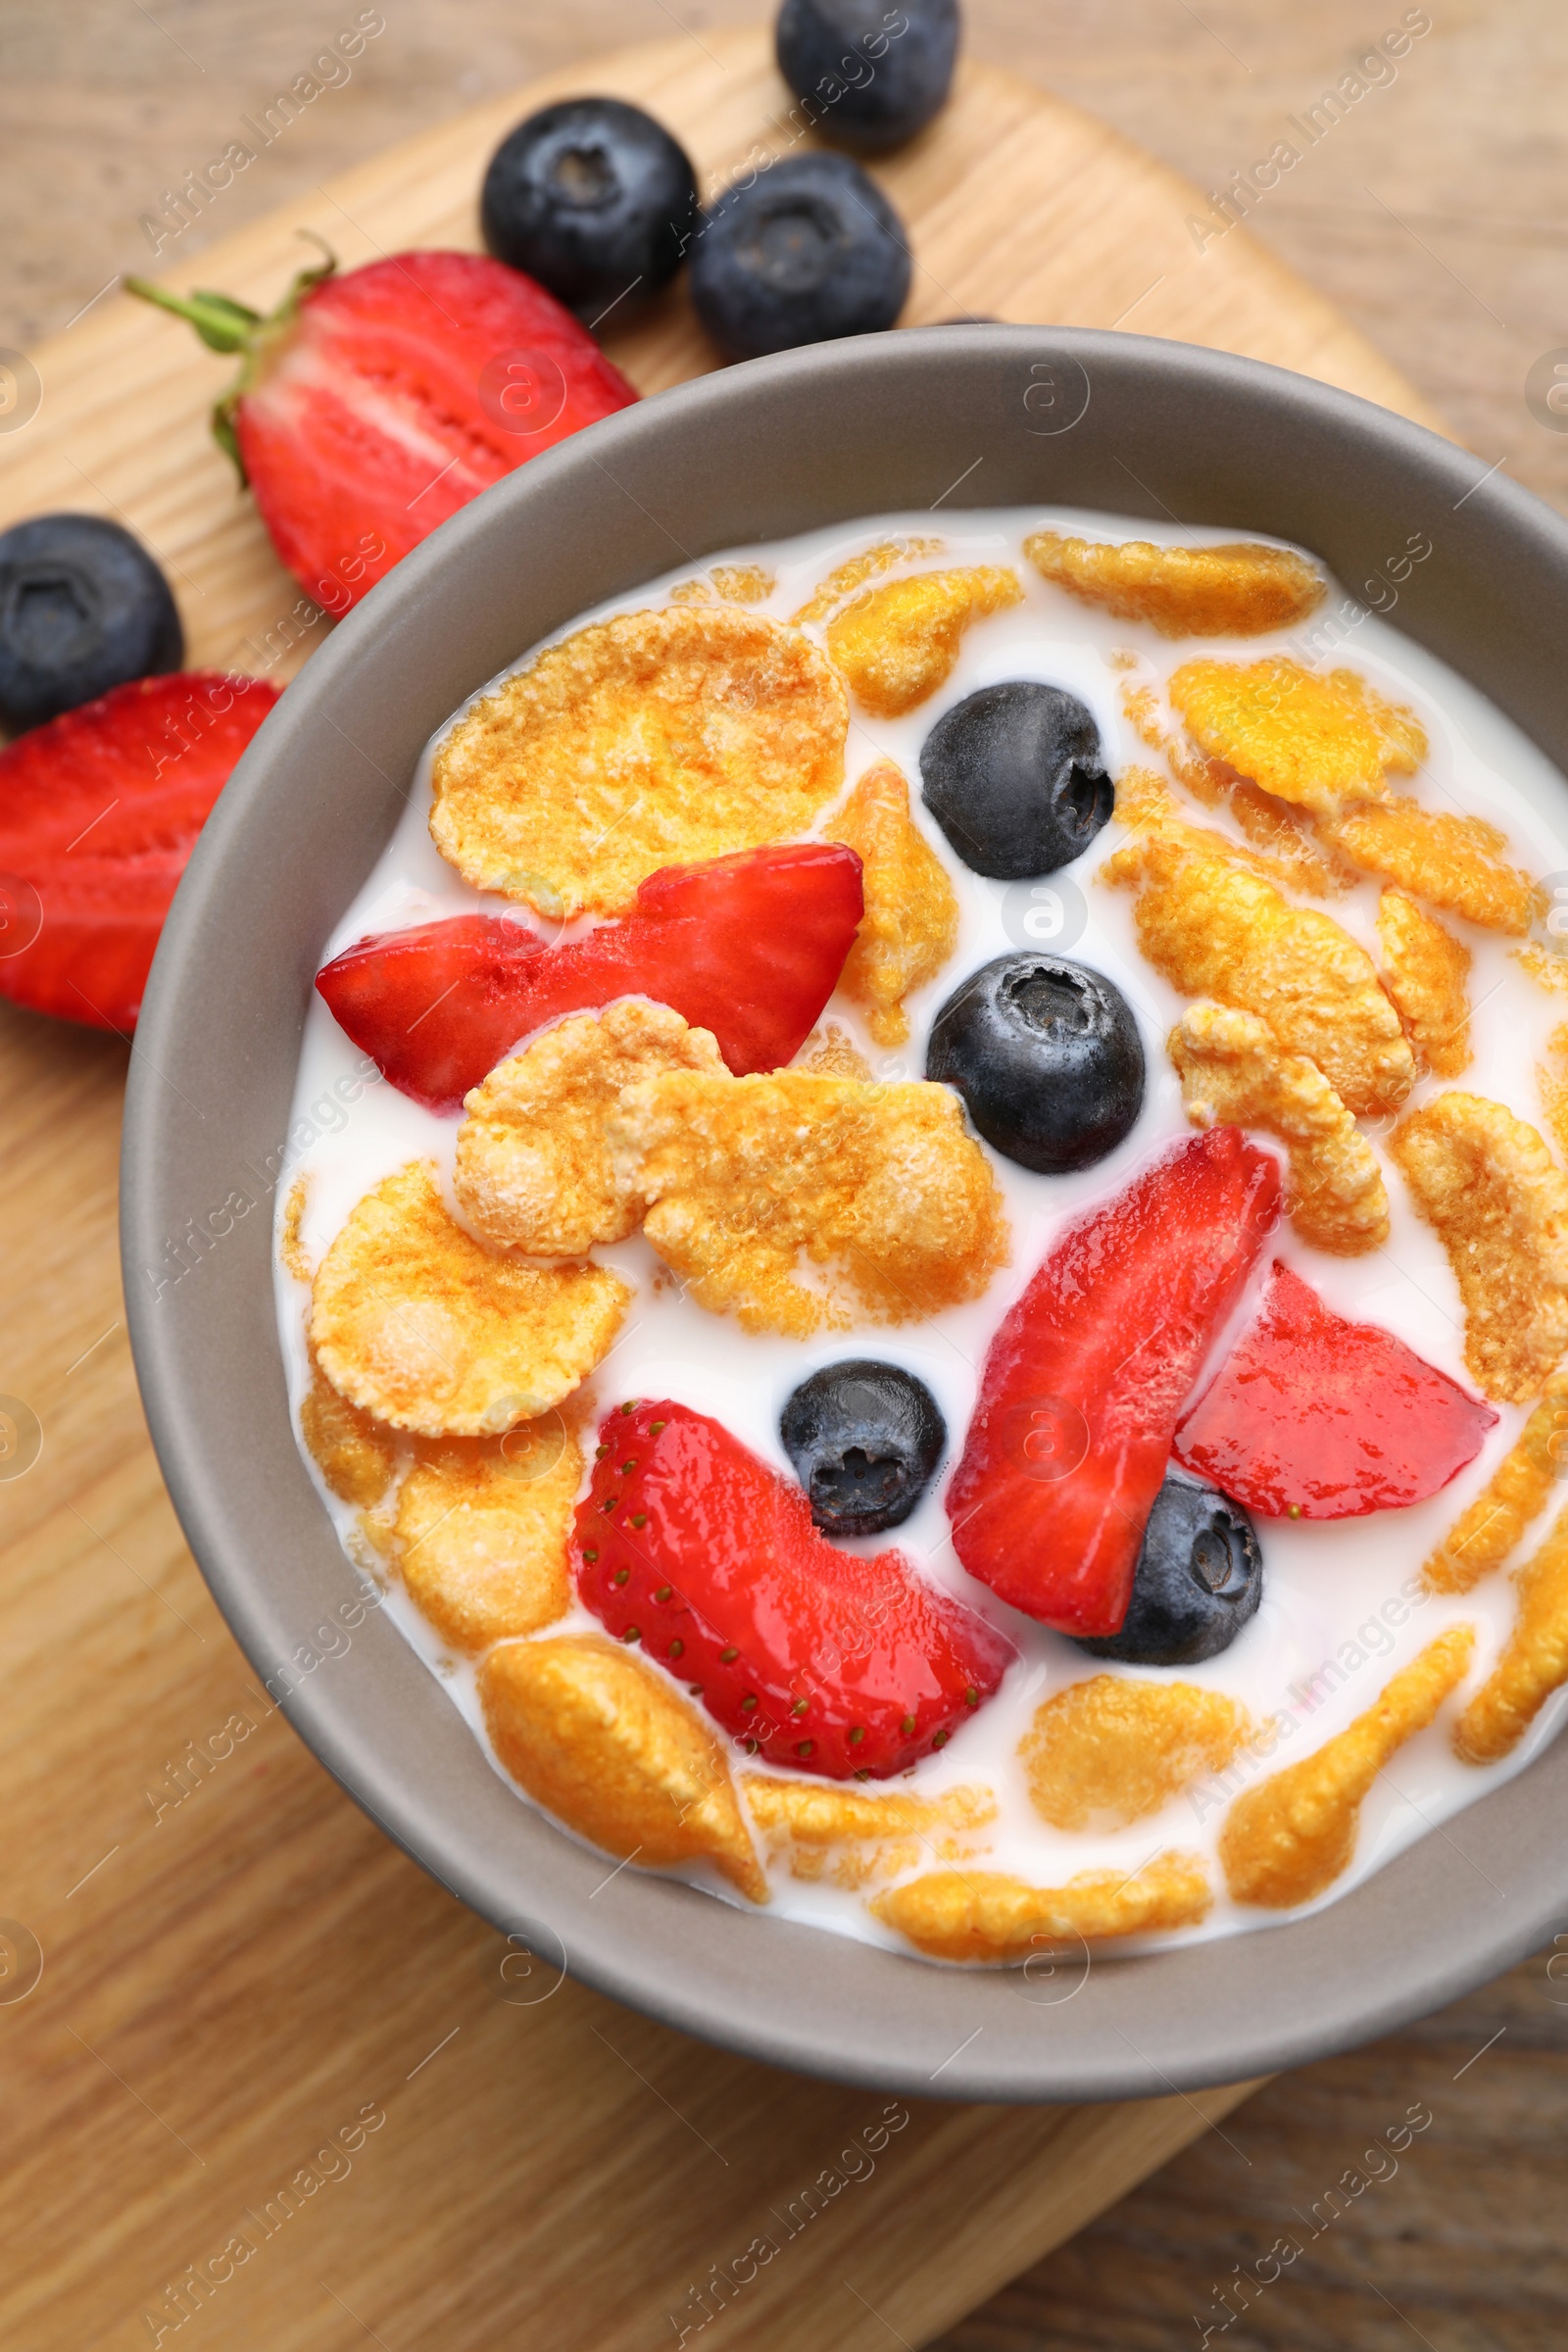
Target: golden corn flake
point(1487, 1184)
point(986, 1915)
point(897, 644)
point(879, 1187)
point(1146, 806)
point(833, 1053)
point(1552, 1079)
point(1288, 1838)
point(1534, 1662)
point(1217, 927)
point(1425, 970)
point(911, 923)
point(1238, 590)
point(416, 1322)
point(1547, 969)
point(731, 583)
point(481, 1529)
point(1452, 861)
point(290, 1249)
point(833, 1832)
point(1321, 741)
point(1107, 1751)
point(354, 1454)
point(824, 1813)
point(1517, 1491)
point(1233, 1075)
point(1294, 853)
point(846, 578)
point(533, 1166)
point(605, 1744)
point(648, 740)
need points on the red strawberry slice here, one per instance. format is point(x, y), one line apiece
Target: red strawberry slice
point(99, 811)
point(1311, 1417)
point(813, 1657)
point(750, 947)
point(370, 407)
point(1087, 1375)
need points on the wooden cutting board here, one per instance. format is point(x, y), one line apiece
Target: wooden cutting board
point(214, 1971)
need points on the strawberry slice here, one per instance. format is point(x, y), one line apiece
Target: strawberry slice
point(372, 405)
point(1087, 1377)
point(813, 1657)
point(1311, 1417)
point(99, 811)
point(750, 947)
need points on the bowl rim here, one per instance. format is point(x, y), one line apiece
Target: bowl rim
point(795, 1996)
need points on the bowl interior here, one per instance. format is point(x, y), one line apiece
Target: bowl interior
point(1013, 414)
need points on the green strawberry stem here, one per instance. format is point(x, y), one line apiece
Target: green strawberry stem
point(227, 326)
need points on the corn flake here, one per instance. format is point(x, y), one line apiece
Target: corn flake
point(1487, 1184)
point(836, 1833)
point(1553, 1085)
point(1452, 861)
point(986, 1915)
point(879, 1187)
point(1285, 835)
point(1289, 1837)
point(831, 1053)
point(290, 1249)
point(417, 1323)
point(1107, 1751)
point(1319, 740)
point(842, 582)
point(481, 1529)
point(897, 644)
point(533, 1166)
point(911, 923)
point(1549, 969)
point(1233, 1075)
point(1534, 1662)
point(1425, 970)
point(1216, 926)
point(1238, 590)
point(1488, 1529)
point(355, 1454)
point(605, 1743)
point(651, 739)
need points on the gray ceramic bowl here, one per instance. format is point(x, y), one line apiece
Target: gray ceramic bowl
point(996, 414)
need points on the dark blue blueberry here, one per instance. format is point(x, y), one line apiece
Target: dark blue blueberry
point(82, 607)
point(864, 1439)
point(865, 73)
point(809, 251)
point(1198, 1579)
point(1015, 778)
point(1047, 1057)
point(594, 199)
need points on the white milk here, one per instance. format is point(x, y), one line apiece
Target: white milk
point(1336, 1606)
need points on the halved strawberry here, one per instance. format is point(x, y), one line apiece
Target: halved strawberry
point(750, 947)
point(372, 405)
point(813, 1657)
point(99, 810)
point(1311, 1417)
point(1087, 1377)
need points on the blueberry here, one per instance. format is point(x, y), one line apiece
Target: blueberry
point(591, 197)
point(1198, 1579)
point(864, 82)
point(1015, 778)
point(1047, 1057)
point(82, 607)
point(810, 251)
point(864, 1439)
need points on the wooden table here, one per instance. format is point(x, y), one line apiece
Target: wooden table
point(231, 1975)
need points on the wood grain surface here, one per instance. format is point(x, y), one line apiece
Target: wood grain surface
point(231, 1975)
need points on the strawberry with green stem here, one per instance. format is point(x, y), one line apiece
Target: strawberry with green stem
point(372, 403)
